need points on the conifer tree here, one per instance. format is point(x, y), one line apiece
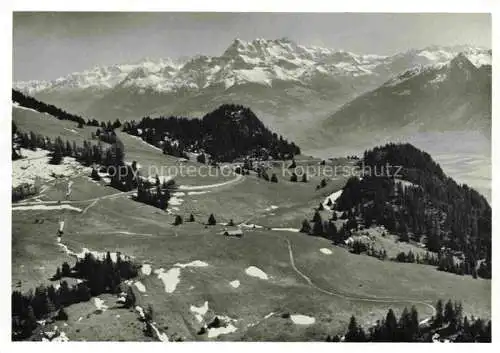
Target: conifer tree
point(65, 270)
point(306, 227)
point(130, 299)
point(439, 319)
point(211, 220)
point(316, 217)
point(354, 332)
point(318, 227)
point(57, 155)
point(178, 220)
point(449, 312)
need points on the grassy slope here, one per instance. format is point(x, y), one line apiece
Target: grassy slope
point(47, 125)
point(163, 245)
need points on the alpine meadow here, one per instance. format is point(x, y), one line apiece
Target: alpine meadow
point(255, 186)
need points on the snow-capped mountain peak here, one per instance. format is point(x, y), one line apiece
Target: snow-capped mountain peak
point(260, 61)
point(445, 62)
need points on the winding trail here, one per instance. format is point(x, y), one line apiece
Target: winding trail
point(95, 199)
point(388, 300)
point(89, 206)
point(238, 178)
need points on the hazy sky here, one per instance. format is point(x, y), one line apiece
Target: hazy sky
point(50, 45)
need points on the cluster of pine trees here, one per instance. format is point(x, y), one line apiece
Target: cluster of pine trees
point(23, 191)
point(87, 154)
point(105, 126)
point(262, 173)
point(410, 257)
point(123, 177)
point(323, 183)
point(294, 178)
point(107, 135)
point(433, 206)
point(445, 261)
point(104, 276)
point(157, 194)
point(360, 247)
point(227, 133)
point(99, 276)
point(448, 323)
point(328, 229)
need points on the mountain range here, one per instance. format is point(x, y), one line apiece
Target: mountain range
point(451, 96)
point(294, 88)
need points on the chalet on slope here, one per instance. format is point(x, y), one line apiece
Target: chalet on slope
point(238, 233)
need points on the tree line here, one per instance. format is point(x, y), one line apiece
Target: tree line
point(448, 323)
point(32, 103)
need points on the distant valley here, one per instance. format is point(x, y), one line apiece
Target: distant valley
point(256, 249)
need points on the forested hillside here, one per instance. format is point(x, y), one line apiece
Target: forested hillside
point(227, 133)
point(421, 203)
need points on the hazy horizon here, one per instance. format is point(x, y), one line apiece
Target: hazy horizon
point(50, 45)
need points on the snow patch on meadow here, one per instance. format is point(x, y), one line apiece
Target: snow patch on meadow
point(216, 332)
point(160, 335)
point(250, 226)
point(333, 197)
point(140, 286)
point(195, 263)
point(302, 319)
point(199, 311)
point(18, 106)
point(146, 269)
point(97, 254)
point(235, 283)
point(36, 165)
point(256, 272)
point(293, 230)
point(170, 278)
point(61, 337)
point(197, 192)
point(175, 201)
point(46, 208)
point(326, 251)
point(226, 328)
point(99, 304)
point(140, 311)
point(71, 130)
